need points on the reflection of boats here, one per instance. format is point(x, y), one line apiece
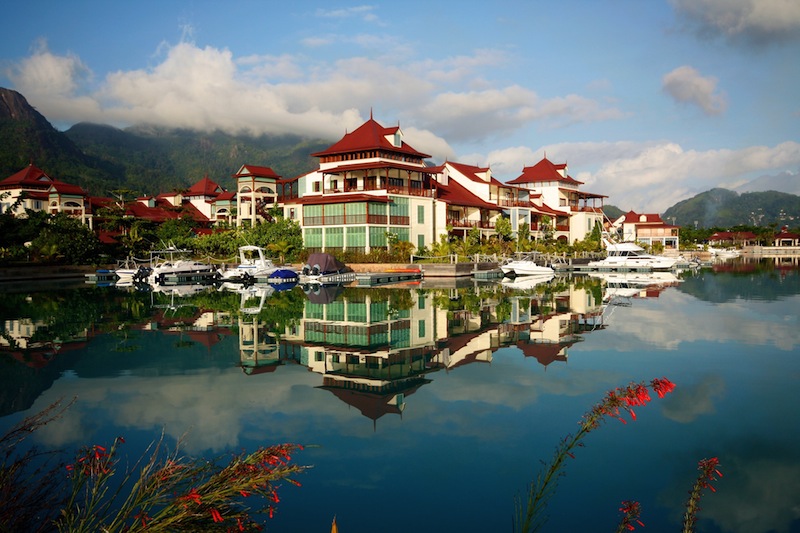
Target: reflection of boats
point(169, 266)
point(526, 282)
point(526, 265)
point(628, 255)
point(254, 265)
point(322, 294)
point(629, 284)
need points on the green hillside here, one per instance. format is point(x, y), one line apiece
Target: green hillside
point(724, 208)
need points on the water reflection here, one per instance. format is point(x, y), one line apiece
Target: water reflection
point(461, 372)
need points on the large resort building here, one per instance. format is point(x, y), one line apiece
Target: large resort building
point(371, 183)
point(368, 185)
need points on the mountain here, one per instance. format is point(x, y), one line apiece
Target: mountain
point(724, 208)
point(148, 160)
point(785, 182)
point(27, 137)
point(158, 159)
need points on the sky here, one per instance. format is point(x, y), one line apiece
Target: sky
point(648, 103)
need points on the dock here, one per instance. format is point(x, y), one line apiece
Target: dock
point(371, 279)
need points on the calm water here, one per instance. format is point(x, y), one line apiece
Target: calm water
point(432, 405)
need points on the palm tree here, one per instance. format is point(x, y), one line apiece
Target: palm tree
point(281, 248)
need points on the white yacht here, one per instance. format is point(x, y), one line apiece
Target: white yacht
point(254, 265)
point(628, 255)
point(170, 266)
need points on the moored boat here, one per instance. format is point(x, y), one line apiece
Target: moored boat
point(628, 255)
point(527, 265)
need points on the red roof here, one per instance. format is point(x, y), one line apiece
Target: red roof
point(66, 188)
point(369, 136)
point(257, 171)
point(204, 187)
point(631, 217)
point(544, 170)
point(455, 194)
point(472, 172)
point(30, 176)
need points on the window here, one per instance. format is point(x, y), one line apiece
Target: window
point(334, 237)
point(422, 329)
point(420, 242)
point(315, 186)
point(420, 214)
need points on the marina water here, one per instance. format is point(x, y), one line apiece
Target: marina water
point(430, 407)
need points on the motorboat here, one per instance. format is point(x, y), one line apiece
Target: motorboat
point(527, 265)
point(169, 266)
point(254, 265)
point(325, 268)
point(723, 253)
point(629, 255)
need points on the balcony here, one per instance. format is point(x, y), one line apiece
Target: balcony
point(465, 223)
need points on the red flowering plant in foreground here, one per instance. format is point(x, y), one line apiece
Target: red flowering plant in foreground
point(169, 492)
point(530, 515)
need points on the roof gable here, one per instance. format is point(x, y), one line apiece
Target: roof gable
point(204, 187)
point(256, 171)
point(30, 176)
point(371, 136)
point(543, 171)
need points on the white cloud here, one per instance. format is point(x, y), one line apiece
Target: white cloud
point(44, 73)
point(686, 85)
point(477, 115)
point(751, 21)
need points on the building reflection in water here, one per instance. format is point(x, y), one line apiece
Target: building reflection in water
point(375, 347)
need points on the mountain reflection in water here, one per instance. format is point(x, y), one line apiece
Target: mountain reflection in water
point(432, 406)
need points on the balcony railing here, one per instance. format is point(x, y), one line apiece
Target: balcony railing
point(338, 220)
point(465, 223)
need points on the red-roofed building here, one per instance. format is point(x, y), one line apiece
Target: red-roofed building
point(733, 238)
point(647, 229)
point(257, 190)
point(786, 238)
point(579, 211)
point(31, 188)
point(368, 183)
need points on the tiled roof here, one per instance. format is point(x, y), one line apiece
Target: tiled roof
point(28, 176)
point(632, 217)
point(204, 187)
point(369, 136)
point(66, 188)
point(257, 171)
point(472, 172)
point(455, 194)
point(544, 170)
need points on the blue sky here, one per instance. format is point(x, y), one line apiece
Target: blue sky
point(647, 102)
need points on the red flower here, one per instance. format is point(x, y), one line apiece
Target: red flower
point(216, 516)
point(193, 495)
point(662, 386)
